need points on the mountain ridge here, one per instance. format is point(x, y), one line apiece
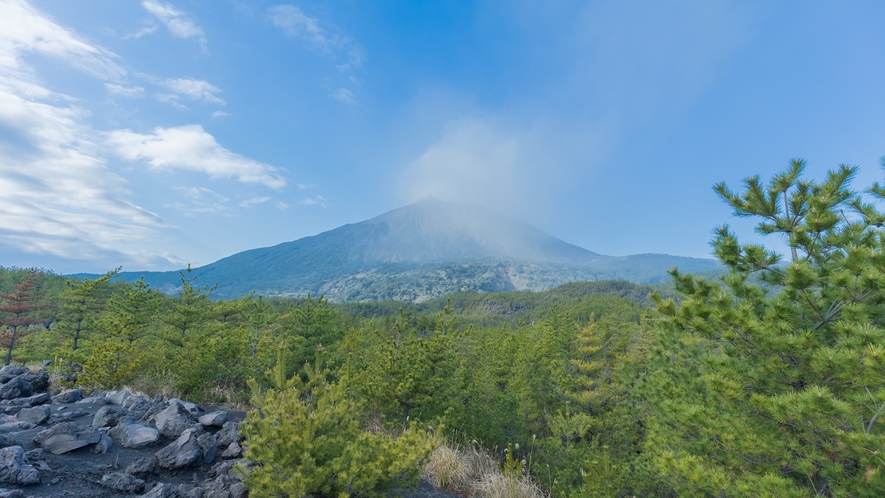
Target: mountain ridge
point(417, 252)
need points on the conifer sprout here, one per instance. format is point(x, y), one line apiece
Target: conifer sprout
point(770, 381)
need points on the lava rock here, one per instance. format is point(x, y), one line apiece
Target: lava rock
point(229, 433)
point(109, 416)
point(8, 372)
point(143, 466)
point(138, 407)
point(122, 482)
point(209, 446)
point(16, 387)
point(13, 469)
point(36, 415)
point(11, 493)
point(36, 399)
point(183, 452)
point(118, 397)
point(65, 437)
point(214, 419)
point(161, 491)
point(71, 396)
point(232, 451)
point(103, 445)
point(134, 435)
point(39, 381)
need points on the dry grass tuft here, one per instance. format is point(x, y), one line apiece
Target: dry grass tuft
point(473, 471)
point(498, 485)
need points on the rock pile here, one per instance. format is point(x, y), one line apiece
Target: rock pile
point(112, 444)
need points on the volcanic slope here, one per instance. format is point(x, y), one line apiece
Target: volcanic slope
point(418, 252)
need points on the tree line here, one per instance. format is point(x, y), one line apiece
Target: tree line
point(765, 381)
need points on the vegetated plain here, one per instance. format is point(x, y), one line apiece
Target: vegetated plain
point(764, 380)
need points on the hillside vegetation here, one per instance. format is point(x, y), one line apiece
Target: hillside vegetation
point(418, 252)
point(765, 381)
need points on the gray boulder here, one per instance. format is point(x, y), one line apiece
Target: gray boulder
point(122, 482)
point(16, 387)
point(134, 435)
point(109, 416)
point(232, 451)
point(183, 452)
point(103, 445)
point(118, 397)
point(10, 371)
point(13, 469)
point(137, 406)
point(11, 493)
point(35, 415)
point(161, 491)
point(6, 440)
point(209, 446)
point(71, 396)
point(65, 437)
point(229, 433)
point(143, 466)
point(34, 400)
point(214, 419)
point(39, 381)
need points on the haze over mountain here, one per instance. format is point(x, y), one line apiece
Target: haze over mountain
point(417, 252)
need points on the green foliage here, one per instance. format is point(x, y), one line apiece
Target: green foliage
point(402, 371)
point(771, 383)
point(304, 438)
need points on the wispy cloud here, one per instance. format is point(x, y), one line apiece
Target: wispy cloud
point(191, 148)
point(141, 32)
point(58, 197)
point(282, 206)
point(194, 89)
point(219, 114)
point(253, 201)
point(124, 91)
point(316, 200)
point(321, 38)
point(176, 21)
point(344, 95)
point(201, 200)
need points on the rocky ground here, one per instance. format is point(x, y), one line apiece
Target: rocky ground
point(116, 444)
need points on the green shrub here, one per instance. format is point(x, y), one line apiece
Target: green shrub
point(306, 439)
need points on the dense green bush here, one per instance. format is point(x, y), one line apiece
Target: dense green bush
point(304, 438)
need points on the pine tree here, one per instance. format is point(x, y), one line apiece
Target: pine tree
point(17, 307)
point(189, 309)
point(81, 303)
point(772, 382)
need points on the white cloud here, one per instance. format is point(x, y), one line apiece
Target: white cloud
point(24, 29)
point(191, 148)
point(124, 91)
point(323, 39)
point(59, 197)
point(282, 206)
point(344, 95)
point(202, 200)
point(219, 114)
point(493, 161)
point(316, 200)
point(296, 24)
point(253, 201)
point(142, 32)
point(194, 89)
point(176, 21)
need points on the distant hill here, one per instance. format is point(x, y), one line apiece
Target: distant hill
point(418, 252)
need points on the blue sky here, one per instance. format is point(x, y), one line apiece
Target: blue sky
point(152, 134)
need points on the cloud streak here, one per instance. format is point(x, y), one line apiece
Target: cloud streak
point(191, 148)
point(176, 21)
point(59, 197)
